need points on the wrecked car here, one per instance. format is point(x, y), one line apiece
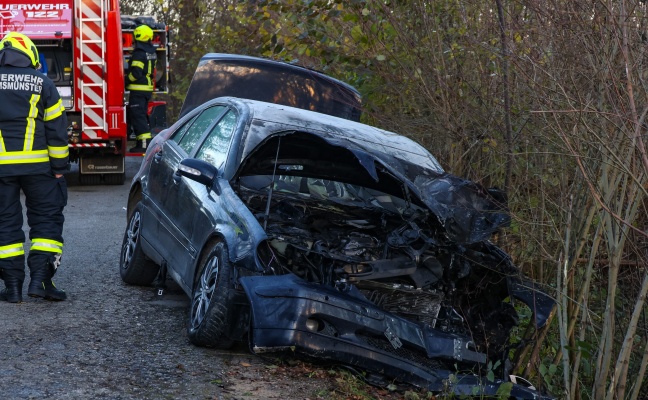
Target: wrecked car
point(307, 233)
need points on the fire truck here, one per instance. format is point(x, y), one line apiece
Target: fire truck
point(84, 47)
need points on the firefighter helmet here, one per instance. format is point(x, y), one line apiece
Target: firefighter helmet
point(143, 33)
point(21, 43)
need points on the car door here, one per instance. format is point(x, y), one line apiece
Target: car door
point(155, 184)
point(161, 181)
point(194, 219)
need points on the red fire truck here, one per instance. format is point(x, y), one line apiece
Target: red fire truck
point(84, 47)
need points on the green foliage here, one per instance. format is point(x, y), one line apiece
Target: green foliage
point(504, 391)
point(548, 373)
point(490, 370)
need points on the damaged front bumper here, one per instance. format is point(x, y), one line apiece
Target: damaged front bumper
point(344, 327)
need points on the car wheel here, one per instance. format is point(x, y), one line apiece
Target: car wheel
point(134, 267)
point(209, 301)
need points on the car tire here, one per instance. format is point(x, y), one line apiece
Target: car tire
point(89, 179)
point(114, 179)
point(209, 300)
point(134, 267)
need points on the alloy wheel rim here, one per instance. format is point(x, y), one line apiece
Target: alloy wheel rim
point(204, 292)
point(132, 232)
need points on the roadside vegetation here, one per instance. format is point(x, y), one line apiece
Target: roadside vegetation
point(545, 99)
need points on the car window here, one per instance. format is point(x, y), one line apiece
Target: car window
point(214, 149)
point(196, 129)
point(179, 133)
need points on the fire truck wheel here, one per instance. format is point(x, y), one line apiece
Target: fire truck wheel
point(210, 300)
point(135, 268)
point(114, 179)
point(89, 179)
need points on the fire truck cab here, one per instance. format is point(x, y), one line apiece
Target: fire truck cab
point(84, 47)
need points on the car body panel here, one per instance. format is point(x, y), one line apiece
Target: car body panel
point(352, 330)
point(161, 187)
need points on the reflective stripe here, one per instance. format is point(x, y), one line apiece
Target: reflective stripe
point(58, 151)
point(137, 64)
point(148, 74)
point(11, 250)
point(31, 122)
point(48, 245)
point(143, 136)
point(146, 88)
point(54, 112)
point(2, 145)
point(24, 157)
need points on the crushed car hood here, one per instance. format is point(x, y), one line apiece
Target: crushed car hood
point(468, 212)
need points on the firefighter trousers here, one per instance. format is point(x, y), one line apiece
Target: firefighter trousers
point(45, 199)
point(138, 113)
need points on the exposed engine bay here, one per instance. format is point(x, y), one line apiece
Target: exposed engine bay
point(393, 251)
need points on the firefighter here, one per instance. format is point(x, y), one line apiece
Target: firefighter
point(139, 81)
point(33, 157)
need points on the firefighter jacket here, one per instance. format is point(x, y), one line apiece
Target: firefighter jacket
point(33, 124)
point(141, 67)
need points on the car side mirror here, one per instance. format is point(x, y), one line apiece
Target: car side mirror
point(197, 170)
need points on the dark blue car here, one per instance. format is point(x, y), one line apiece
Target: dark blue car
point(303, 231)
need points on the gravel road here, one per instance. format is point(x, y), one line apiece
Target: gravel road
point(114, 341)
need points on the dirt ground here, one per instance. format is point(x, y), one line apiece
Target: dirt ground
point(250, 377)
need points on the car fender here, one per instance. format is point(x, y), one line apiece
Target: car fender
point(233, 223)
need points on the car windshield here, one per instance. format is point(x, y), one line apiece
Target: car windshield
point(327, 190)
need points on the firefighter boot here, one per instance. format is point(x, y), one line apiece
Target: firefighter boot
point(140, 147)
point(13, 289)
point(41, 285)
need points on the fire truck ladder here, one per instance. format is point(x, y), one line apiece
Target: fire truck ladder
point(92, 65)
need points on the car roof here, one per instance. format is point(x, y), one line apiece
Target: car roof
point(369, 138)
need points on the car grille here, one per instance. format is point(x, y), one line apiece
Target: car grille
point(402, 352)
point(414, 305)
